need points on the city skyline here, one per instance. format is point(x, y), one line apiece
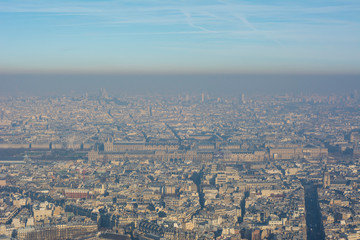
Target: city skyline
point(164, 37)
point(165, 84)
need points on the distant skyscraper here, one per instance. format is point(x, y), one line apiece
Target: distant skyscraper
point(103, 93)
point(203, 97)
point(243, 98)
point(356, 95)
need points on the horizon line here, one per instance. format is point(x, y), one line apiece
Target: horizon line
point(182, 73)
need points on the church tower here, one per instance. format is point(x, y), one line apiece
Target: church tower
point(326, 180)
point(109, 145)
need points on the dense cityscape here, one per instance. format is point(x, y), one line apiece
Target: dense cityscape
point(186, 166)
point(179, 120)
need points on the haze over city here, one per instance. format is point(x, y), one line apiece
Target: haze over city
point(179, 120)
point(218, 84)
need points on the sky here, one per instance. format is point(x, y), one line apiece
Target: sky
point(179, 37)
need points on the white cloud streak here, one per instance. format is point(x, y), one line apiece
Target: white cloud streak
point(265, 20)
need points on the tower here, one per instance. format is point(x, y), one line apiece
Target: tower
point(103, 93)
point(243, 98)
point(109, 145)
point(26, 158)
point(326, 180)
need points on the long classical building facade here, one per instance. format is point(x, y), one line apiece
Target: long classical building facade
point(110, 146)
point(169, 152)
point(202, 152)
point(284, 153)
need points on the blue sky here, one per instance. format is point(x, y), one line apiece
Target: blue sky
point(180, 36)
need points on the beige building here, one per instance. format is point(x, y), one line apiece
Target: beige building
point(256, 156)
point(298, 152)
point(110, 146)
point(42, 214)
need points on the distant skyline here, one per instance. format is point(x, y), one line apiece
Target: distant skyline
point(179, 37)
point(164, 84)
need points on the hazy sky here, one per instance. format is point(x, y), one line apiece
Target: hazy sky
point(162, 36)
point(163, 84)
